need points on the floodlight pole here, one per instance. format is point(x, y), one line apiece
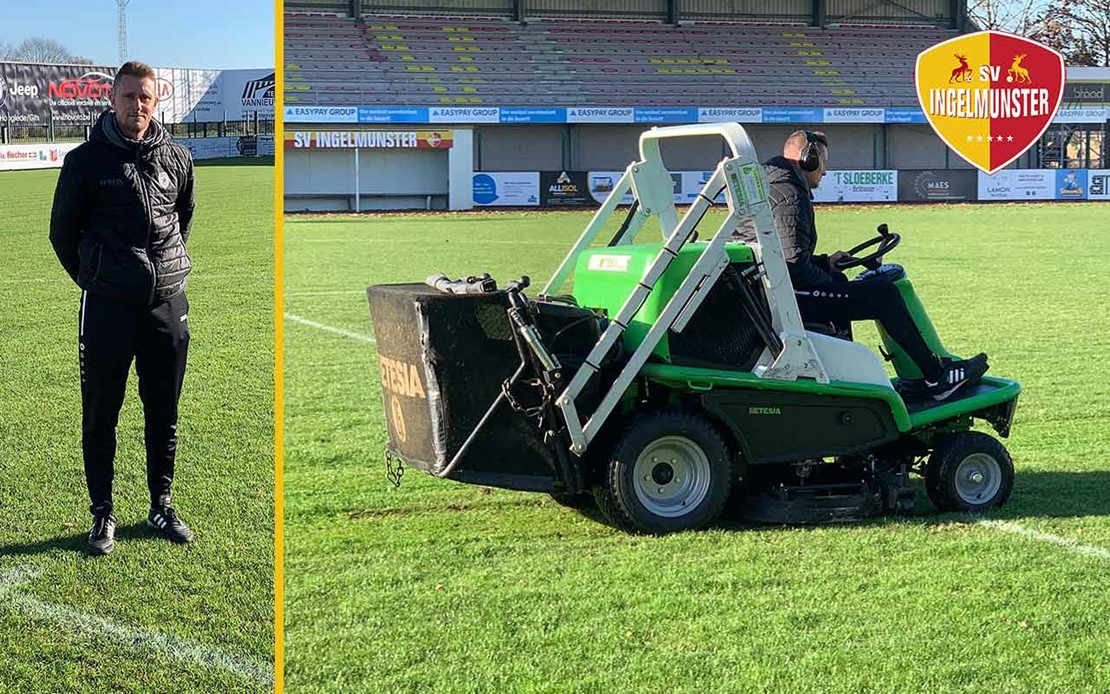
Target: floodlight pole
point(122, 4)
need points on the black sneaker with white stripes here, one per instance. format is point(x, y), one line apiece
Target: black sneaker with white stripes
point(102, 537)
point(165, 520)
point(958, 374)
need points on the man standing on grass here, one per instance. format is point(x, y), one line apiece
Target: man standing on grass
point(119, 226)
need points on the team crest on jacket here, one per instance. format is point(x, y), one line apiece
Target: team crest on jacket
point(989, 95)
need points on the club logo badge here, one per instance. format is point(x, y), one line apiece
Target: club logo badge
point(990, 95)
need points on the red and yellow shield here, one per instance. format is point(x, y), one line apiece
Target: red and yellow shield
point(989, 95)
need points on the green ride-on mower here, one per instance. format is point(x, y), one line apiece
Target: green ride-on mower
point(675, 375)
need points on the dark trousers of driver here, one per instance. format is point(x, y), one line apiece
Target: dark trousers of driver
point(842, 302)
point(110, 336)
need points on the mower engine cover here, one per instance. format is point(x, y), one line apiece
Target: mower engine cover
point(720, 334)
point(443, 360)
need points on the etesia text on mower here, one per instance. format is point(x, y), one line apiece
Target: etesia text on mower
point(401, 378)
point(989, 103)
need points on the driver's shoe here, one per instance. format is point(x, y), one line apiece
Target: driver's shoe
point(164, 519)
point(102, 536)
point(956, 375)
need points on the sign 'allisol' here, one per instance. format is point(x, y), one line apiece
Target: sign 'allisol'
point(990, 95)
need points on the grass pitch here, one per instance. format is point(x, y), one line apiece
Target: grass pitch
point(440, 586)
point(152, 616)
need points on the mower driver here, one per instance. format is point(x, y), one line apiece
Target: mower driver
point(824, 294)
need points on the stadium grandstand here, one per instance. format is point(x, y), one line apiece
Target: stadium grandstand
point(567, 85)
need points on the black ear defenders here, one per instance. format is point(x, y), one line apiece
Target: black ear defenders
point(811, 155)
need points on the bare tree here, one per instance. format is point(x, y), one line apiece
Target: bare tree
point(1090, 20)
point(1015, 16)
point(1056, 31)
point(1078, 29)
point(40, 50)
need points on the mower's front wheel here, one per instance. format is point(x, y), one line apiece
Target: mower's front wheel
point(969, 471)
point(670, 471)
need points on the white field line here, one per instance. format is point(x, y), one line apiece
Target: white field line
point(93, 627)
point(1066, 543)
point(328, 328)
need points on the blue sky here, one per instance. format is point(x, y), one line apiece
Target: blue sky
point(164, 33)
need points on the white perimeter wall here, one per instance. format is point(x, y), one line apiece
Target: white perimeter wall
point(325, 179)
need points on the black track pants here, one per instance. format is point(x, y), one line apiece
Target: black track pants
point(839, 302)
point(110, 335)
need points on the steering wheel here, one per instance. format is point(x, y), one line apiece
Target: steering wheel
point(886, 241)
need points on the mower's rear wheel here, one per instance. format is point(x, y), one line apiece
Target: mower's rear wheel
point(670, 471)
point(969, 471)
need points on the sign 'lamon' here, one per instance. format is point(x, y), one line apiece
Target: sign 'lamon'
point(990, 95)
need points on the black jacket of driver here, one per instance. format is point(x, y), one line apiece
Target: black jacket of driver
point(792, 208)
point(122, 211)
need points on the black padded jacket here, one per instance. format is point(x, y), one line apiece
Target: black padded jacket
point(122, 211)
point(792, 208)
